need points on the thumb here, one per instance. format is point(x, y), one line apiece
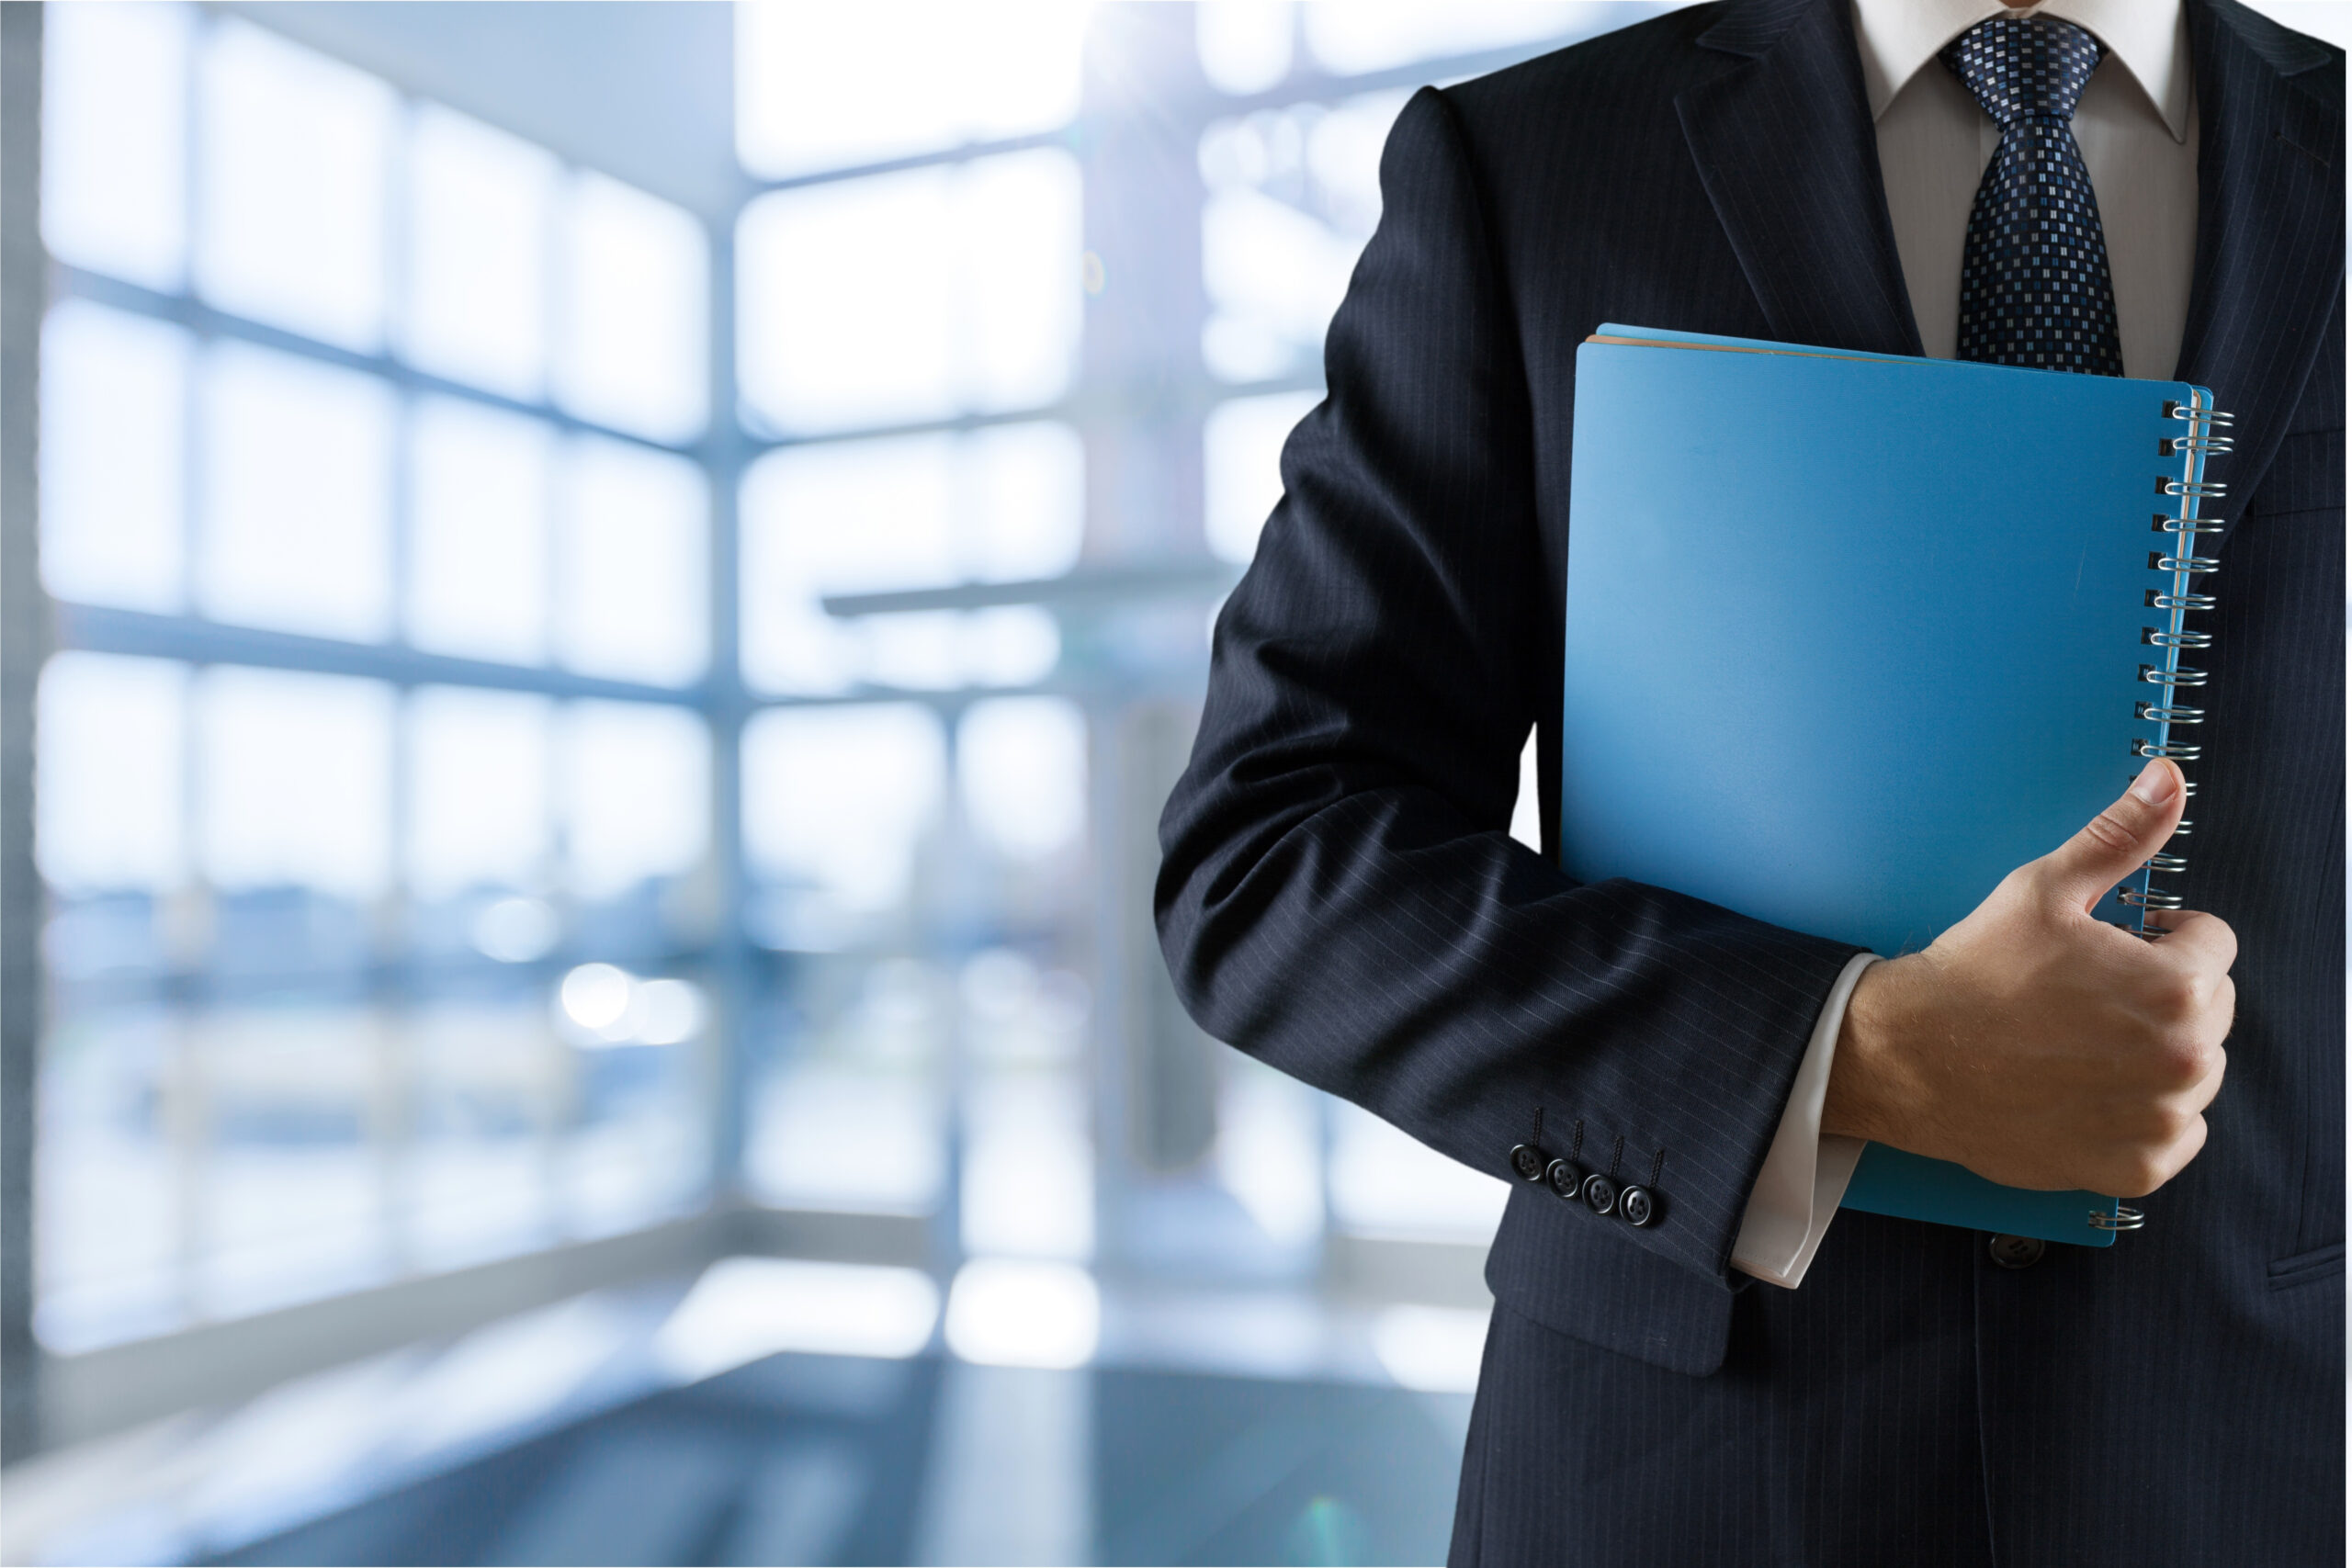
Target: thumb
point(2118, 841)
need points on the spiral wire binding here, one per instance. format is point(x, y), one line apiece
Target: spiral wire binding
point(2176, 599)
point(2180, 562)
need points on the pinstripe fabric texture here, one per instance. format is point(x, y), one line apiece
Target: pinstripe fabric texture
point(1339, 896)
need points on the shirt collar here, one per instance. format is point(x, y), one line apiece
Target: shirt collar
point(1901, 38)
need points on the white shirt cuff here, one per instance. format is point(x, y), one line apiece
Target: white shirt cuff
point(1804, 1174)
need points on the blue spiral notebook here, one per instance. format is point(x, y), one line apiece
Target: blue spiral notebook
point(1851, 636)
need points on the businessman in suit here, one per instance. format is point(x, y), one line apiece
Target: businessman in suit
point(1745, 1375)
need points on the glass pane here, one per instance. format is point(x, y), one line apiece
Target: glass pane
point(634, 564)
point(1527, 810)
point(114, 138)
point(1245, 44)
point(921, 650)
point(1025, 488)
point(110, 773)
point(290, 1204)
point(632, 349)
point(911, 296)
point(1241, 480)
point(480, 812)
point(295, 151)
point(635, 785)
point(294, 782)
point(113, 457)
point(296, 501)
point(856, 518)
point(1013, 645)
point(637, 1146)
point(1293, 194)
point(1028, 1164)
point(828, 87)
point(1383, 1183)
point(849, 1115)
point(1269, 1149)
point(1017, 222)
point(479, 575)
point(486, 1078)
point(837, 803)
point(848, 303)
point(1020, 762)
point(1002, 504)
point(1373, 35)
point(482, 213)
point(1028, 1187)
point(108, 1205)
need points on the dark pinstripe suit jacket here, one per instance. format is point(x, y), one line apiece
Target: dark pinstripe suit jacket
point(1341, 898)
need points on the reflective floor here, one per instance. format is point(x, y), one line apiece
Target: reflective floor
point(661, 1423)
point(809, 1460)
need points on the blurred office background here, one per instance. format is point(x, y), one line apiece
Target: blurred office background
point(618, 590)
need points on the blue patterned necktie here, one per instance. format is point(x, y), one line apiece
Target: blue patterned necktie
point(2033, 282)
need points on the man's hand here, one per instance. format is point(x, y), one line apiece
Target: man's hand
point(2040, 1047)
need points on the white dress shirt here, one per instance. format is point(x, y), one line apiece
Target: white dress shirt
point(2136, 123)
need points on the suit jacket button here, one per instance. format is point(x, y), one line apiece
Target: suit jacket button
point(2016, 1251)
point(1527, 1162)
point(1600, 1193)
point(1564, 1178)
point(1635, 1206)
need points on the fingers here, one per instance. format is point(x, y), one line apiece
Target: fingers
point(2201, 938)
point(2148, 1174)
point(2201, 1095)
point(2119, 841)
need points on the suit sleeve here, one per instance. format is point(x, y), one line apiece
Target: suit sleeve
point(1339, 895)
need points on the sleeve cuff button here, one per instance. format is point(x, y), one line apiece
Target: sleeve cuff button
point(1600, 1193)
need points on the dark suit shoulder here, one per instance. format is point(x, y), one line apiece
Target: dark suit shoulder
point(1583, 173)
point(1575, 87)
point(2317, 64)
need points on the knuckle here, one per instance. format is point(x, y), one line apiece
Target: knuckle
point(2109, 831)
point(2152, 1168)
point(2229, 939)
point(2020, 885)
point(2175, 998)
point(2188, 1060)
point(2136, 1176)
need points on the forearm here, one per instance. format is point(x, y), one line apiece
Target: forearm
point(1441, 975)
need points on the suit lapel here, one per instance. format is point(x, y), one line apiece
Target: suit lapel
point(2269, 229)
point(1785, 148)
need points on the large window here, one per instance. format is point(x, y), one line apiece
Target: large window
point(503, 784)
point(375, 786)
point(918, 851)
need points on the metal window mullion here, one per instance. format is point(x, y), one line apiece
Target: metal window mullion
point(389, 1115)
point(209, 322)
point(24, 644)
point(188, 1100)
point(1066, 135)
point(105, 628)
point(726, 712)
point(552, 1097)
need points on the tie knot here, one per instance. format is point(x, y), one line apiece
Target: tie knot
point(2024, 67)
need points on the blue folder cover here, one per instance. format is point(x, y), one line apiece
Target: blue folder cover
point(1849, 638)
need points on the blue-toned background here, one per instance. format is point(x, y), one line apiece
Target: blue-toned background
point(626, 583)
